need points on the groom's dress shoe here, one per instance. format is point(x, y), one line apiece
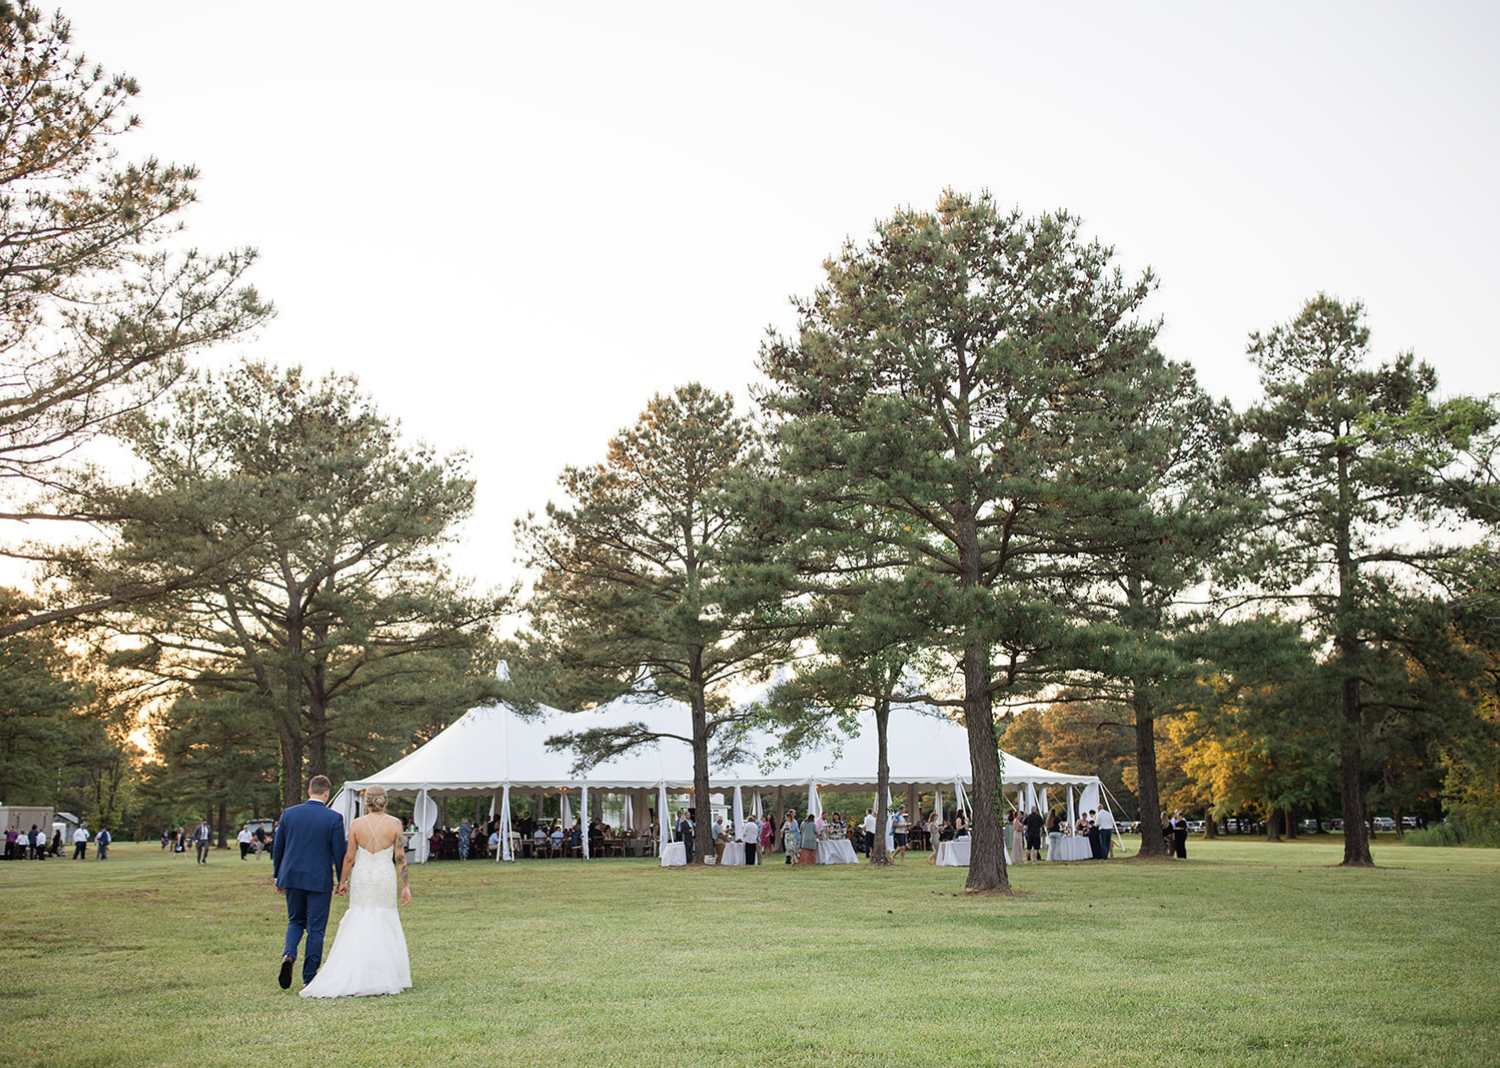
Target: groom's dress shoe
point(285, 978)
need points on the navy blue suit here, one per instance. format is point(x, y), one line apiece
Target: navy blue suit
point(305, 859)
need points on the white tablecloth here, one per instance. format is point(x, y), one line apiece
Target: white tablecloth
point(734, 854)
point(675, 855)
point(840, 851)
point(955, 854)
point(1068, 849)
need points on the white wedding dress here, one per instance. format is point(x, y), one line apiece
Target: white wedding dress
point(369, 950)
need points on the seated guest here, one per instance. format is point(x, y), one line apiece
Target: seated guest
point(495, 850)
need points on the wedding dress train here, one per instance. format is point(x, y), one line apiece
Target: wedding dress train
point(369, 950)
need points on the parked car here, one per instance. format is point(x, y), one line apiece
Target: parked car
point(1195, 826)
point(1384, 823)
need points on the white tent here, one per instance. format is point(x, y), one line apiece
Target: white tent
point(491, 751)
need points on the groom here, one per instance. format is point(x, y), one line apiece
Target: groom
point(305, 859)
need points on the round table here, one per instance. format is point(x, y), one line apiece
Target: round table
point(837, 851)
point(1069, 849)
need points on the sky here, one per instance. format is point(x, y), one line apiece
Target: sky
point(515, 223)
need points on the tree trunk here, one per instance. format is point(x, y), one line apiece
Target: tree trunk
point(1153, 842)
point(1272, 834)
point(703, 824)
point(987, 869)
point(1318, 817)
point(1291, 824)
point(986, 829)
point(1351, 791)
point(776, 817)
point(1210, 824)
point(882, 782)
point(223, 825)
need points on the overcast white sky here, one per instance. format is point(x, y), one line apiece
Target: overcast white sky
point(514, 223)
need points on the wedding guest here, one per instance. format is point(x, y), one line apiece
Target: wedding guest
point(245, 840)
point(1106, 822)
point(808, 838)
point(1033, 826)
point(1179, 835)
point(1017, 838)
point(791, 836)
point(1054, 831)
point(750, 835)
point(767, 836)
point(900, 829)
point(80, 842)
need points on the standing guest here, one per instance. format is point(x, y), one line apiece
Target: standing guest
point(12, 836)
point(57, 843)
point(750, 835)
point(1033, 824)
point(1054, 832)
point(465, 835)
point(202, 836)
point(686, 826)
point(869, 832)
point(526, 828)
point(767, 836)
point(1081, 830)
point(808, 838)
point(791, 836)
point(1179, 835)
point(166, 839)
point(33, 843)
point(1106, 821)
point(901, 827)
point(1017, 837)
point(102, 840)
point(246, 841)
point(260, 840)
point(1095, 847)
point(179, 842)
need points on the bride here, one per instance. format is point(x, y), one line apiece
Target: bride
point(369, 951)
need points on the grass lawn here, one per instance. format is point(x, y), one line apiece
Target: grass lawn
point(1247, 954)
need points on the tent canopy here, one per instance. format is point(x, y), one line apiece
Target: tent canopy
point(491, 747)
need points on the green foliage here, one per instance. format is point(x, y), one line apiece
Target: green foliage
point(968, 405)
point(39, 702)
point(339, 622)
point(1333, 450)
point(96, 311)
point(1473, 829)
point(632, 587)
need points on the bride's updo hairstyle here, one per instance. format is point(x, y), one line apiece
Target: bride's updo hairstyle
point(375, 799)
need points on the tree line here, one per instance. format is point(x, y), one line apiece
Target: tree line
point(973, 480)
point(970, 478)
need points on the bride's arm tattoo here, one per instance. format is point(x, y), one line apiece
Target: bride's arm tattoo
point(401, 868)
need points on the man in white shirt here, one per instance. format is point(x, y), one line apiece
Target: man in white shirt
point(1105, 821)
point(245, 841)
point(869, 832)
point(80, 842)
point(750, 835)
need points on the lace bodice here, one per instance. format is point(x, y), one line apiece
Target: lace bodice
point(372, 883)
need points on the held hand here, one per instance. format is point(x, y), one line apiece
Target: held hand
point(342, 889)
point(281, 890)
point(405, 896)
